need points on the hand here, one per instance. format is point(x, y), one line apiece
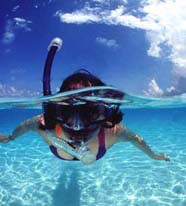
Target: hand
point(161, 157)
point(4, 138)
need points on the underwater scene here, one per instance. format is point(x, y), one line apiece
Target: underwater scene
point(32, 175)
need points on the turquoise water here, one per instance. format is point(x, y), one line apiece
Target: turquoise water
point(31, 175)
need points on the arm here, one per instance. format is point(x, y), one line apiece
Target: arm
point(27, 125)
point(127, 135)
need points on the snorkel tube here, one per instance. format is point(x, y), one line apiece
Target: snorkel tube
point(83, 153)
point(54, 46)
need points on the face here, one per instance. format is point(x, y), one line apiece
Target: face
point(79, 121)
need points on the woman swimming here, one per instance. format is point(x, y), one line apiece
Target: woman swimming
point(81, 130)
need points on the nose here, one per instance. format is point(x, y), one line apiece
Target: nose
point(77, 122)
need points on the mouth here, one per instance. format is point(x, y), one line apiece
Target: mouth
point(80, 135)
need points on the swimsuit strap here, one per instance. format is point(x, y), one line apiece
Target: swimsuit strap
point(101, 141)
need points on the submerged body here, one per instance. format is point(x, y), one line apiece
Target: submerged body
point(103, 139)
point(110, 136)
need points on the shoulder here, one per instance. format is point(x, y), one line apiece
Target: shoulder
point(34, 122)
point(116, 130)
point(39, 119)
point(112, 134)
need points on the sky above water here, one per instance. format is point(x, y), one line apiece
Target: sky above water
point(137, 46)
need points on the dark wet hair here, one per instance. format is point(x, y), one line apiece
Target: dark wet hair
point(83, 77)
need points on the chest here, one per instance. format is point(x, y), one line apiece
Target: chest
point(99, 140)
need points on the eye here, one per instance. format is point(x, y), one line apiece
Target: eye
point(92, 113)
point(63, 111)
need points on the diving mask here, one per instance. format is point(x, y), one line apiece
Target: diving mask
point(76, 117)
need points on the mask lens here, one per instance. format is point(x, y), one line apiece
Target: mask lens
point(63, 112)
point(90, 113)
point(87, 113)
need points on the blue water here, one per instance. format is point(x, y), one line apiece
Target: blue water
point(32, 176)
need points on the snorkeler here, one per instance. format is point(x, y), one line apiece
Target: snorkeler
point(85, 128)
point(77, 129)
